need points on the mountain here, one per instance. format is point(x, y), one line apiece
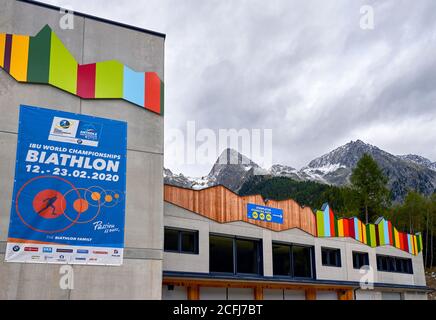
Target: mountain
point(279, 170)
point(335, 168)
point(419, 160)
point(231, 170)
point(236, 171)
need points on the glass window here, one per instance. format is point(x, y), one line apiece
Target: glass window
point(171, 240)
point(394, 264)
point(302, 262)
point(360, 259)
point(292, 261)
point(181, 241)
point(221, 254)
point(188, 242)
point(234, 255)
point(281, 260)
point(246, 256)
point(331, 257)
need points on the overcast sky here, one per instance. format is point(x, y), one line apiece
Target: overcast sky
point(302, 68)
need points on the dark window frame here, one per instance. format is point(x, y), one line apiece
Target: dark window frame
point(390, 264)
point(180, 232)
point(337, 251)
point(291, 257)
point(259, 252)
point(357, 254)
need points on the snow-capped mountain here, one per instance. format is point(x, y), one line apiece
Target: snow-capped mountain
point(279, 170)
point(405, 173)
point(419, 160)
point(335, 168)
point(231, 170)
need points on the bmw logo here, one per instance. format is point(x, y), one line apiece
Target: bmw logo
point(16, 248)
point(79, 141)
point(65, 124)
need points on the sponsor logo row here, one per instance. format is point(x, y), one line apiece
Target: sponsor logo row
point(115, 253)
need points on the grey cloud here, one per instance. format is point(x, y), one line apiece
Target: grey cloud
point(303, 68)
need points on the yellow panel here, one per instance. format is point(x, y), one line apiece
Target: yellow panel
point(2, 49)
point(397, 238)
point(415, 245)
point(19, 57)
point(341, 227)
point(364, 233)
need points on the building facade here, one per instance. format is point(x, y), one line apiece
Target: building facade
point(213, 251)
point(90, 40)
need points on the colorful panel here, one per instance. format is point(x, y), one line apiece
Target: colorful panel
point(63, 66)
point(109, 80)
point(39, 57)
point(44, 59)
point(134, 86)
point(381, 233)
point(2, 49)
point(86, 81)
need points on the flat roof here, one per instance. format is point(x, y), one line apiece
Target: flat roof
point(84, 15)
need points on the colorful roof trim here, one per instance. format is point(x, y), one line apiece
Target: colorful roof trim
point(44, 59)
point(381, 233)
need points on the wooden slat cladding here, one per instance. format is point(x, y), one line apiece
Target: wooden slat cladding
point(222, 205)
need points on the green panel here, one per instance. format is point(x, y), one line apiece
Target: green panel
point(63, 66)
point(381, 233)
point(373, 237)
point(419, 242)
point(109, 80)
point(368, 235)
point(39, 57)
point(336, 226)
point(320, 223)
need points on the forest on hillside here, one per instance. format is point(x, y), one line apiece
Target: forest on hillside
point(367, 197)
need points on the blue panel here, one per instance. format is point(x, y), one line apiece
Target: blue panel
point(68, 204)
point(134, 86)
point(327, 221)
point(266, 214)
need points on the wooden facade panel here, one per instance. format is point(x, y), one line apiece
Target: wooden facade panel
point(222, 205)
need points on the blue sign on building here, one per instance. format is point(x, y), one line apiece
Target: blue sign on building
point(70, 189)
point(266, 214)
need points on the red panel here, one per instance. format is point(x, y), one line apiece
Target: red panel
point(86, 81)
point(352, 231)
point(400, 236)
point(332, 223)
point(346, 228)
point(152, 92)
point(406, 242)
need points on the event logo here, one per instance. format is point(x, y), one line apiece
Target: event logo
point(64, 124)
point(47, 250)
point(64, 127)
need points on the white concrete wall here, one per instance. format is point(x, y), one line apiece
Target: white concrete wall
point(178, 217)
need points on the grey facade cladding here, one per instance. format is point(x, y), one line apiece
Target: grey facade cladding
point(90, 41)
point(174, 263)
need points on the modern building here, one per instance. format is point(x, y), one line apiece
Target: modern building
point(217, 247)
point(178, 243)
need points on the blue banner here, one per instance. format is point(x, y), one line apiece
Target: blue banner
point(68, 204)
point(266, 214)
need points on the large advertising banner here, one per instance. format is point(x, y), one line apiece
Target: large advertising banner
point(68, 204)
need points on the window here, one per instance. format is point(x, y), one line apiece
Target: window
point(181, 241)
point(292, 261)
point(234, 255)
point(360, 259)
point(331, 257)
point(394, 264)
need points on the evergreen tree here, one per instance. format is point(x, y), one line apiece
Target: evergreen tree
point(369, 185)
